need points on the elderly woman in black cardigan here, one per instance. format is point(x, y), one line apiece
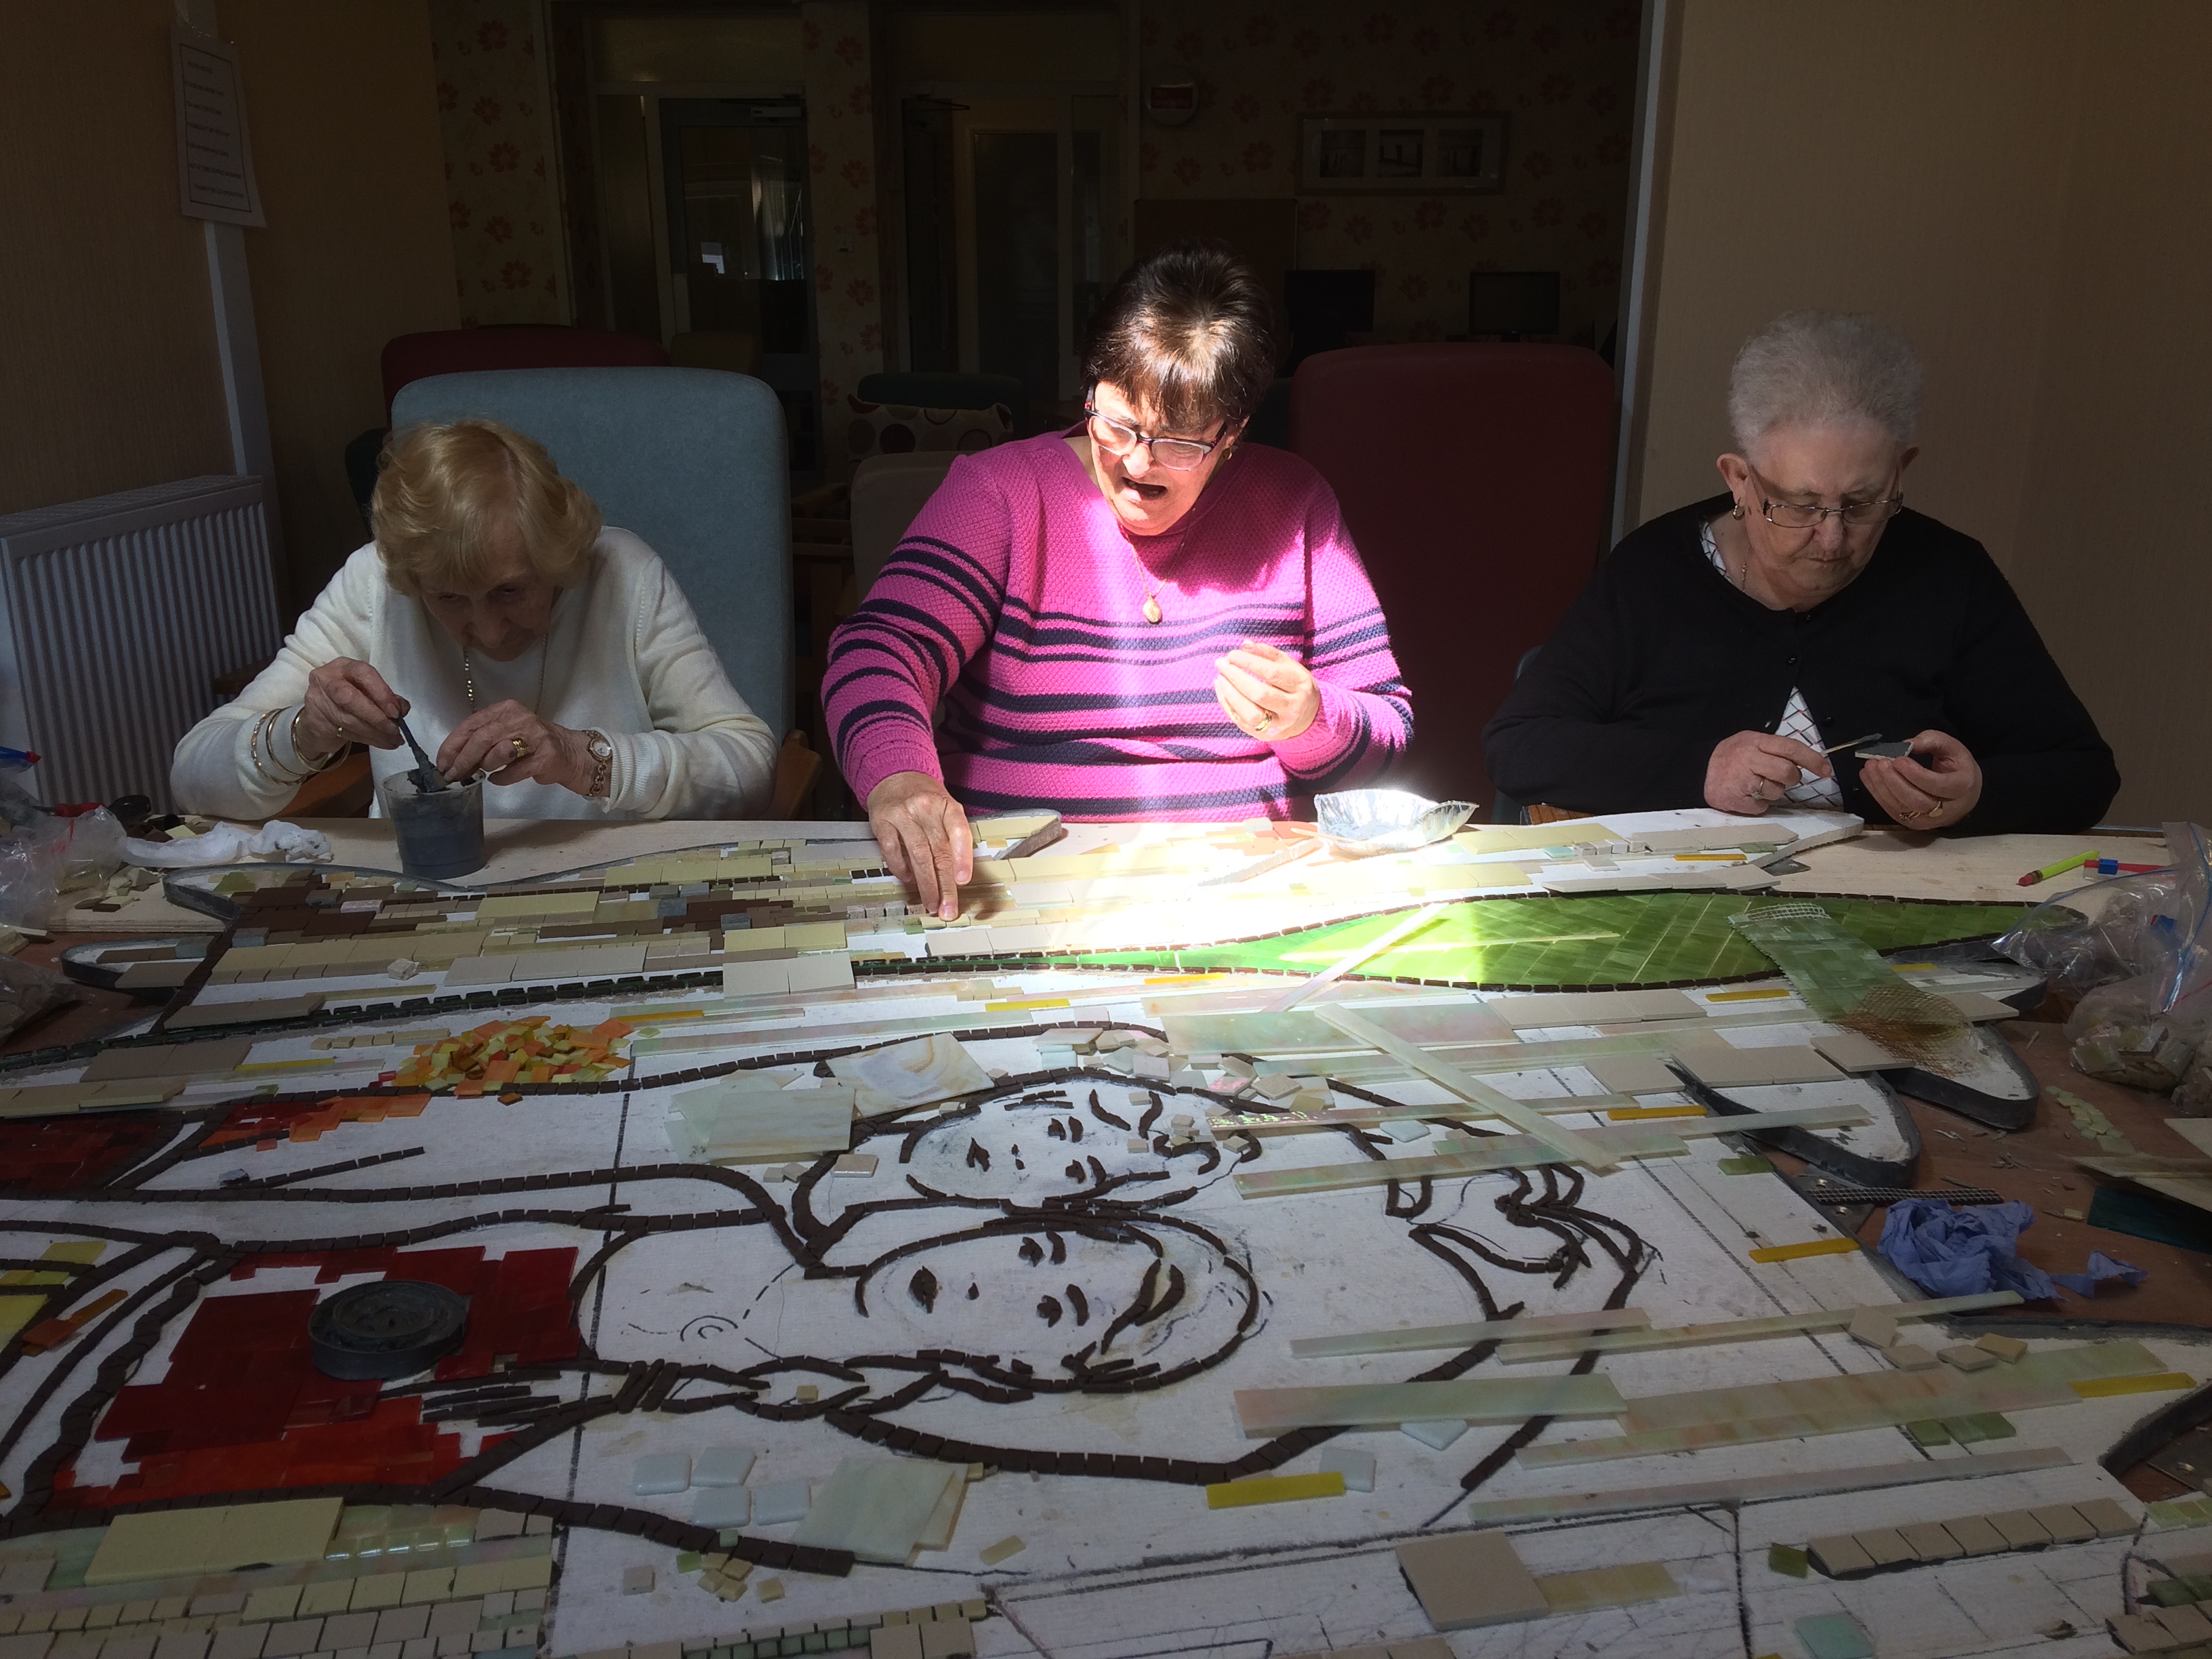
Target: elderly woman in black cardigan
point(1723, 647)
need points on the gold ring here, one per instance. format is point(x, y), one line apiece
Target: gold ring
point(1260, 730)
point(1936, 811)
point(521, 749)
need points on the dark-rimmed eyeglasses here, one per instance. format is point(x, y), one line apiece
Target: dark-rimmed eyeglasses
point(1793, 515)
point(1120, 438)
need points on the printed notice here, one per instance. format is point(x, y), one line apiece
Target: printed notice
point(215, 163)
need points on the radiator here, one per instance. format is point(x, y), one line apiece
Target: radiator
point(116, 615)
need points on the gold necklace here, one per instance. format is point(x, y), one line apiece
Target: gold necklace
point(468, 679)
point(1152, 612)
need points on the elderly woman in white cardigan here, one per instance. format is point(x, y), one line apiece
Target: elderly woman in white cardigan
point(517, 636)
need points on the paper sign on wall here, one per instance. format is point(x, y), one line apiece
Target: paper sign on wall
point(214, 162)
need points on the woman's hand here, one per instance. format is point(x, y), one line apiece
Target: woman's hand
point(925, 837)
point(1749, 771)
point(348, 701)
point(1266, 693)
point(1933, 796)
point(487, 742)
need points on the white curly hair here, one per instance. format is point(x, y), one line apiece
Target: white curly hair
point(1824, 367)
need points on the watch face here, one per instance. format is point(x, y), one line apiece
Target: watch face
point(601, 749)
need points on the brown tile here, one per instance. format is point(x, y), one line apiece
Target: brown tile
point(1930, 1542)
point(1467, 1580)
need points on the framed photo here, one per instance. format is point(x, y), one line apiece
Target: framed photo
point(1398, 151)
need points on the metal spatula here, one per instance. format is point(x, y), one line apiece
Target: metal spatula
point(427, 779)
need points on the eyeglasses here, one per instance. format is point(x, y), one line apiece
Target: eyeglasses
point(1856, 515)
point(1120, 438)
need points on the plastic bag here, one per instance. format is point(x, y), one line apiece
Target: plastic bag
point(2143, 943)
point(27, 990)
point(32, 848)
point(92, 848)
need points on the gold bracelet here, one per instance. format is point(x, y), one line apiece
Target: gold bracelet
point(263, 730)
point(313, 767)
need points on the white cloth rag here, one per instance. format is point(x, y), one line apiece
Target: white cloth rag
point(226, 843)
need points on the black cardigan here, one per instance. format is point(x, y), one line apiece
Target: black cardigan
point(1661, 657)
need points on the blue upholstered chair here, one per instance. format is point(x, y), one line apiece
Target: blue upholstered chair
point(691, 460)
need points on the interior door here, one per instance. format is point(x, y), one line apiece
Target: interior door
point(739, 245)
point(1014, 227)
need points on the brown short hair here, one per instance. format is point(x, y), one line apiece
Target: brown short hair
point(444, 491)
point(1188, 334)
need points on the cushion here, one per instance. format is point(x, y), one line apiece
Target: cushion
point(901, 429)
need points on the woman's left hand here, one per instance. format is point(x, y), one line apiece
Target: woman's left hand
point(1933, 789)
point(514, 746)
point(1268, 694)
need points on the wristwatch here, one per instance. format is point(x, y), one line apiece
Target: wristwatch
point(603, 763)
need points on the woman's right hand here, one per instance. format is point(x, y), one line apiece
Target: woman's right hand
point(925, 837)
point(348, 701)
point(1748, 772)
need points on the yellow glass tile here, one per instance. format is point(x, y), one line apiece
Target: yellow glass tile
point(1273, 1488)
point(1810, 1247)
point(2097, 1387)
point(1631, 1114)
point(1747, 996)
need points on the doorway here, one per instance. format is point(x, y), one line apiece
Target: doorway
point(1013, 225)
point(741, 290)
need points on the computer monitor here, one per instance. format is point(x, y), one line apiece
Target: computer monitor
point(1512, 304)
point(1324, 307)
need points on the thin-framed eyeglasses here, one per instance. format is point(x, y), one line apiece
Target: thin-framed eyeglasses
point(1793, 515)
point(1120, 438)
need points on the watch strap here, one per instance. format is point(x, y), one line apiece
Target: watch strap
point(602, 764)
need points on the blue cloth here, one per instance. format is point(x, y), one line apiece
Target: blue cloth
point(2101, 1268)
point(1963, 1252)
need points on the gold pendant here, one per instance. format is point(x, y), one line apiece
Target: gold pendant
point(1151, 608)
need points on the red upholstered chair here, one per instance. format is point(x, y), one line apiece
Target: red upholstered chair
point(1475, 480)
point(413, 357)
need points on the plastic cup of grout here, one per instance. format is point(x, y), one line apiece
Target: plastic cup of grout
point(441, 834)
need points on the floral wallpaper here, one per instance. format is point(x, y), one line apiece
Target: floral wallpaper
point(840, 132)
point(503, 182)
point(1564, 72)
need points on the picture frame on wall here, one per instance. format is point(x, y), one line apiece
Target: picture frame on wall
point(1400, 152)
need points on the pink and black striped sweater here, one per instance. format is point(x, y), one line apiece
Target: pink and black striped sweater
point(1017, 600)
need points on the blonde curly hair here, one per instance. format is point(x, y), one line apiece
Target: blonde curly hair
point(444, 491)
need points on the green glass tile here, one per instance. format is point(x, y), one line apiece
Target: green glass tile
point(816, 1643)
point(1929, 1433)
point(1750, 1165)
point(1978, 1426)
point(2170, 1592)
point(1843, 981)
point(1578, 940)
point(687, 1561)
point(1780, 1557)
point(2200, 1587)
point(1834, 1636)
point(741, 1650)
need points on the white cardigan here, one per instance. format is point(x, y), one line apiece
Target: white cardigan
point(624, 656)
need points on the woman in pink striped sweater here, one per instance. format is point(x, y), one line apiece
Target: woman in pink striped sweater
point(1141, 617)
